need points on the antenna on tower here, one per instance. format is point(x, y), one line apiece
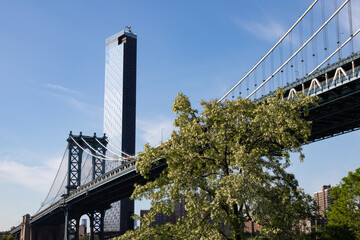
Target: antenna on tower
point(129, 28)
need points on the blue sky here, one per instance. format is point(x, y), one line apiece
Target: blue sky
point(52, 57)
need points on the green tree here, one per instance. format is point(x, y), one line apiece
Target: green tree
point(345, 210)
point(84, 238)
point(7, 237)
point(229, 164)
point(330, 232)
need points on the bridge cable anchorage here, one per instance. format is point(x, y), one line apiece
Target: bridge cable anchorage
point(287, 61)
point(262, 59)
point(84, 150)
point(118, 148)
point(338, 49)
point(52, 185)
point(107, 149)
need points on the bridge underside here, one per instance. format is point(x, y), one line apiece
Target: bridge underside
point(338, 111)
point(338, 88)
point(111, 187)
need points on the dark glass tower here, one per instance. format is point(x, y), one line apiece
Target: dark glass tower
point(120, 114)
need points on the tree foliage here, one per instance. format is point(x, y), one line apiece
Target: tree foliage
point(345, 210)
point(330, 232)
point(7, 237)
point(229, 164)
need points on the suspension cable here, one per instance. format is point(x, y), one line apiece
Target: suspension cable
point(52, 185)
point(325, 30)
point(107, 149)
point(338, 49)
point(101, 154)
point(86, 178)
point(262, 59)
point(117, 148)
point(111, 159)
point(338, 42)
point(350, 27)
point(82, 167)
point(287, 61)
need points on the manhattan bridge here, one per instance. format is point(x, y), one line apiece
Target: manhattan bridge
point(317, 56)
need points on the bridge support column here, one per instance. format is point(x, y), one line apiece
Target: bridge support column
point(71, 228)
point(66, 213)
point(126, 211)
point(74, 165)
point(97, 224)
point(25, 228)
point(98, 164)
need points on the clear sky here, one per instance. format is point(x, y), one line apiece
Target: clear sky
point(52, 58)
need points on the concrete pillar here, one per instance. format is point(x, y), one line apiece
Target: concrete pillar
point(25, 228)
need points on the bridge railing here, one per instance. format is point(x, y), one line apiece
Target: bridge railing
point(84, 188)
point(324, 85)
point(102, 178)
point(334, 82)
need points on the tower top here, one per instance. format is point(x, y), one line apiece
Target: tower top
point(128, 33)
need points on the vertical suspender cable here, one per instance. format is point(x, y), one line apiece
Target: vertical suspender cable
point(53, 183)
point(287, 61)
point(337, 30)
point(302, 57)
point(262, 59)
point(325, 29)
point(255, 80)
point(263, 77)
point(348, 40)
point(272, 70)
point(247, 85)
point(117, 148)
point(350, 27)
point(292, 61)
point(314, 42)
point(282, 70)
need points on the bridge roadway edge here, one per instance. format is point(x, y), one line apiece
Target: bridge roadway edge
point(95, 195)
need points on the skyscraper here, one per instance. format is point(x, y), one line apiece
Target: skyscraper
point(323, 200)
point(120, 113)
point(120, 90)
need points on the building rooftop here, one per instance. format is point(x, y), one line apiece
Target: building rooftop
point(119, 34)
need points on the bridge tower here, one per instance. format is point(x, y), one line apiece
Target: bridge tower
point(77, 144)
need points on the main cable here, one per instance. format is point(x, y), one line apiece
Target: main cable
point(52, 185)
point(338, 49)
point(108, 159)
point(118, 149)
point(287, 61)
point(107, 149)
point(263, 58)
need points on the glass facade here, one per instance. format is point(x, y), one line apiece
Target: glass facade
point(113, 98)
point(119, 116)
